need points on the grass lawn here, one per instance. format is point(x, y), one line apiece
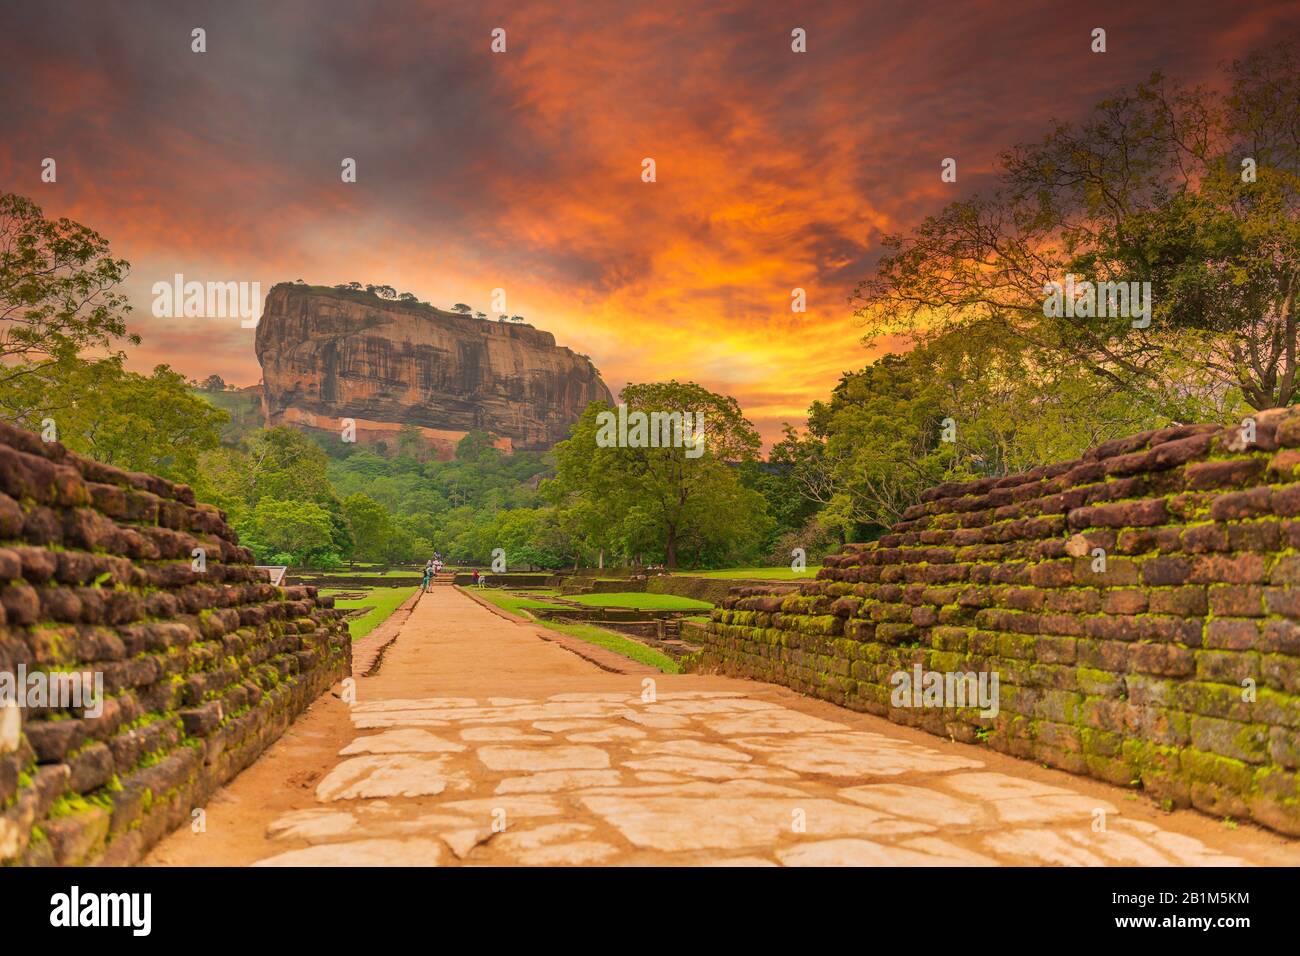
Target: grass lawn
point(764, 574)
point(515, 603)
point(586, 632)
point(642, 600)
point(383, 601)
point(373, 574)
point(618, 644)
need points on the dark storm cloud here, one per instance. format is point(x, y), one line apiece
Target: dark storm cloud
point(775, 170)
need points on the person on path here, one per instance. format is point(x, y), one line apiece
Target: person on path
point(428, 576)
point(476, 577)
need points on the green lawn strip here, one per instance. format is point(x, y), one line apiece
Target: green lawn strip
point(383, 601)
point(642, 600)
point(763, 574)
point(618, 644)
point(586, 632)
point(365, 574)
point(512, 602)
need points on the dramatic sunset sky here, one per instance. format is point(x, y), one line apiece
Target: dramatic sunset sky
point(522, 170)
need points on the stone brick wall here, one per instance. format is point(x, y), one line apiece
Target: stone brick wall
point(200, 670)
point(1175, 669)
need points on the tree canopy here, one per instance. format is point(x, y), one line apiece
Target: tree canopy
point(1195, 191)
point(59, 291)
point(659, 504)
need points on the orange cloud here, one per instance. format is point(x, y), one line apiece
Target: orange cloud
point(522, 171)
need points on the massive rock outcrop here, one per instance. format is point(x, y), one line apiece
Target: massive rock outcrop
point(329, 354)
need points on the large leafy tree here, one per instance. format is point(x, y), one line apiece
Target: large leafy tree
point(151, 423)
point(286, 464)
point(377, 534)
point(59, 292)
point(293, 532)
point(659, 503)
point(1193, 190)
point(961, 405)
point(276, 464)
point(62, 318)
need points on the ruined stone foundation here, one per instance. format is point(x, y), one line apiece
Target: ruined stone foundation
point(1140, 606)
point(201, 662)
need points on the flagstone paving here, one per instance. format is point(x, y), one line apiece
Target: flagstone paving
point(479, 743)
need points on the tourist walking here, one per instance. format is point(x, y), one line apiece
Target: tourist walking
point(428, 576)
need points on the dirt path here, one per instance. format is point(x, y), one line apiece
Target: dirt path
point(478, 742)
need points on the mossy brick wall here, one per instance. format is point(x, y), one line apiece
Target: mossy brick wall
point(1177, 669)
point(201, 670)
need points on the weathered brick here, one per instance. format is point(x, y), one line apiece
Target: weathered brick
point(1223, 474)
point(1241, 504)
point(1183, 601)
point(71, 597)
point(1159, 572)
point(1234, 600)
point(1228, 738)
point(1229, 569)
point(1286, 570)
point(1232, 634)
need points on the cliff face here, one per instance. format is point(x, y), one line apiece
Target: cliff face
point(328, 354)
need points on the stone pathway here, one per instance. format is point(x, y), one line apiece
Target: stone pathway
point(477, 742)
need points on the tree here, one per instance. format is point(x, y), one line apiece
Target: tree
point(213, 383)
point(377, 535)
point(476, 447)
point(480, 315)
point(58, 293)
point(1194, 191)
point(657, 502)
point(410, 441)
point(791, 513)
point(386, 292)
point(300, 531)
point(729, 436)
point(462, 308)
point(151, 423)
point(221, 479)
point(287, 465)
point(407, 297)
point(370, 525)
point(962, 405)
